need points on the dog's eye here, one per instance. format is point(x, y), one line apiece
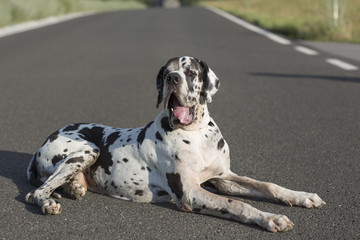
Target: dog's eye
point(192, 73)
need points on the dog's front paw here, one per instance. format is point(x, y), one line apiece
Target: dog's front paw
point(276, 223)
point(308, 200)
point(29, 198)
point(51, 207)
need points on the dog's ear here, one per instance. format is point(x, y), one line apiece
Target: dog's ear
point(211, 82)
point(160, 85)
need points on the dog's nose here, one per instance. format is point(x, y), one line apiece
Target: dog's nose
point(174, 78)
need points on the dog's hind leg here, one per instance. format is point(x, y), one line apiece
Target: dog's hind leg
point(232, 184)
point(77, 187)
point(66, 173)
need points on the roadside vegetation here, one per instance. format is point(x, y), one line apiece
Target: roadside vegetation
point(16, 11)
point(299, 19)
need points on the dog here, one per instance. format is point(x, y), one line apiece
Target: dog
point(167, 160)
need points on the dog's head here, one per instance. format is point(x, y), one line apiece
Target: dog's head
point(186, 85)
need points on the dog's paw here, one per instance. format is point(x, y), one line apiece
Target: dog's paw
point(29, 198)
point(77, 190)
point(51, 207)
point(308, 200)
point(277, 223)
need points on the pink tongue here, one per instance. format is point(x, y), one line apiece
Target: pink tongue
point(182, 113)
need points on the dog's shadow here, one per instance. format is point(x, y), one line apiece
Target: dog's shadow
point(13, 166)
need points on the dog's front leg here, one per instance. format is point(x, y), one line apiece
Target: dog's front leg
point(202, 201)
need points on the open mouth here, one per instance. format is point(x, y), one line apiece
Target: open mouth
point(179, 114)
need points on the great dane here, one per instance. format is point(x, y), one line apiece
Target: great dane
point(167, 160)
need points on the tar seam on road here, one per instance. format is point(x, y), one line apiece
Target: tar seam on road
point(341, 64)
point(23, 27)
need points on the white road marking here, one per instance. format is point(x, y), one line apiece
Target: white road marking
point(341, 64)
point(306, 50)
point(249, 26)
point(22, 27)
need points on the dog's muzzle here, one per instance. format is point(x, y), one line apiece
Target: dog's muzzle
point(178, 112)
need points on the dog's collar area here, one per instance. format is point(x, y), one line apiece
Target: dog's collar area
point(179, 115)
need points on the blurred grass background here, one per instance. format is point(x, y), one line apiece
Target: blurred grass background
point(16, 11)
point(300, 19)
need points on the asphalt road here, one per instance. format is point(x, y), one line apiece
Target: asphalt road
point(289, 118)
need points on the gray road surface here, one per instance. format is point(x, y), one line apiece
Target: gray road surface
point(289, 118)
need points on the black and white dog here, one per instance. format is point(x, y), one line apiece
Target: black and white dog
point(166, 160)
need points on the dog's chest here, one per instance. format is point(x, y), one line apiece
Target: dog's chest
point(203, 151)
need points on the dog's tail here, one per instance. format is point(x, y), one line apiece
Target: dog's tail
point(32, 174)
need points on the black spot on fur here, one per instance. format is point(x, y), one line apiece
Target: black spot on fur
point(51, 138)
point(148, 169)
point(96, 135)
point(165, 124)
point(136, 183)
point(230, 200)
point(158, 136)
point(87, 152)
point(54, 136)
point(139, 192)
point(93, 135)
point(72, 127)
point(143, 168)
point(75, 160)
point(217, 84)
point(125, 160)
point(112, 138)
point(65, 150)
point(196, 210)
point(224, 211)
point(142, 133)
point(220, 144)
point(202, 99)
point(113, 184)
point(57, 158)
point(186, 141)
point(175, 184)
point(211, 124)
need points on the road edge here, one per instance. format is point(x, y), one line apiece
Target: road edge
point(34, 24)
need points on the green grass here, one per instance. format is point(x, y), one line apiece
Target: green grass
point(300, 19)
point(16, 11)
